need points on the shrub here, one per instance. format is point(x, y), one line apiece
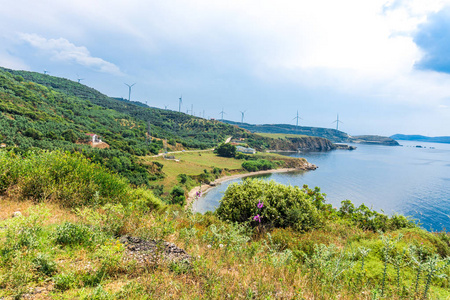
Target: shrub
point(226, 150)
point(73, 234)
point(369, 219)
point(44, 265)
point(177, 195)
point(283, 206)
point(258, 165)
point(69, 179)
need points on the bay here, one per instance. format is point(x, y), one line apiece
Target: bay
point(409, 180)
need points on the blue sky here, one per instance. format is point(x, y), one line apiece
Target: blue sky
point(382, 65)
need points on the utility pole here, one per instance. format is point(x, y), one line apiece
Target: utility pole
point(179, 103)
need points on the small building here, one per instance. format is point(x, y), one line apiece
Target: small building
point(245, 150)
point(94, 138)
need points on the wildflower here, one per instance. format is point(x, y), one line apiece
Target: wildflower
point(221, 245)
point(260, 204)
point(209, 246)
point(198, 193)
point(257, 218)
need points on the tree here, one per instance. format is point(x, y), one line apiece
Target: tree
point(226, 150)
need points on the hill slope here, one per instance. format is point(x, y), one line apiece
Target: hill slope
point(422, 138)
point(333, 135)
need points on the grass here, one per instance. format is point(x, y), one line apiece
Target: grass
point(193, 163)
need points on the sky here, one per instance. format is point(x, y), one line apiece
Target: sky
point(383, 66)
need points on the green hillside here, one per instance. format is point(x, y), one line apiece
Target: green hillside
point(333, 135)
point(39, 111)
point(177, 127)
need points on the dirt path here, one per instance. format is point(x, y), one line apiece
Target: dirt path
point(206, 187)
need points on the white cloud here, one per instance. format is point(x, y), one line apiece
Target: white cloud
point(63, 50)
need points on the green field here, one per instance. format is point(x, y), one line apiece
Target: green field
point(193, 163)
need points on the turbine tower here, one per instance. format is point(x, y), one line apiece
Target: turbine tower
point(79, 79)
point(337, 122)
point(242, 116)
point(222, 113)
point(129, 90)
point(179, 103)
point(297, 118)
point(46, 72)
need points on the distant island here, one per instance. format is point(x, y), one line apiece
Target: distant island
point(335, 136)
point(422, 138)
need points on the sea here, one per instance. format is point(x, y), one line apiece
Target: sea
point(412, 179)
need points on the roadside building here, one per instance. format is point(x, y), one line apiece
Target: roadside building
point(245, 150)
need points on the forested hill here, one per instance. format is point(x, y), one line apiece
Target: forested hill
point(333, 135)
point(44, 112)
point(191, 132)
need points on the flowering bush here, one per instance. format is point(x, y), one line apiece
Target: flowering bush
point(270, 204)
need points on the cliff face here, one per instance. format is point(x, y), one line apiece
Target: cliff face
point(306, 143)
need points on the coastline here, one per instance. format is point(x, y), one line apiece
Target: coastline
point(206, 187)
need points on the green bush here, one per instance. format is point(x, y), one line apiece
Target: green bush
point(226, 150)
point(177, 195)
point(283, 206)
point(73, 234)
point(369, 219)
point(68, 179)
point(258, 165)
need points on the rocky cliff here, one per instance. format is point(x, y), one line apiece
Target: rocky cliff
point(307, 143)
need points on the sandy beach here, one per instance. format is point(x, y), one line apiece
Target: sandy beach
point(206, 187)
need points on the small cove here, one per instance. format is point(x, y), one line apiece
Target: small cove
point(408, 180)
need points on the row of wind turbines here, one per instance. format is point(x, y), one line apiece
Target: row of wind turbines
point(222, 112)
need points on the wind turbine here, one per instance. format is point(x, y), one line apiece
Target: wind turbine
point(79, 79)
point(222, 113)
point(337, 122)
point(129, 90)
point(46, 72)
point(297, 117)
point(179, 103)
point(242, 116)
point(165, 107)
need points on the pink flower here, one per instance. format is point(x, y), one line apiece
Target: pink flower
point(257, 218)
point(260, 204)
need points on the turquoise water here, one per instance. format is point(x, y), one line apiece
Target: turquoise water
point(407, 180)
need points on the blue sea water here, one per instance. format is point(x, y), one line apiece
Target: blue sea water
point(407, 180)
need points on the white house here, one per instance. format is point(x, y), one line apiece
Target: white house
point(94, 138)
point(245, 150)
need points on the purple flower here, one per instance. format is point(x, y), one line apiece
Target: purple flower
point(198, 193)
point(257, 218)
point(260, 204)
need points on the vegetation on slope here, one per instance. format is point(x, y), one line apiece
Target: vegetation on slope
point(52, 252)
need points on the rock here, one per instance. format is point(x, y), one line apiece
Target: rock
point(154, 252)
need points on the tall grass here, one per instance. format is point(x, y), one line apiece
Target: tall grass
point(68, 179)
